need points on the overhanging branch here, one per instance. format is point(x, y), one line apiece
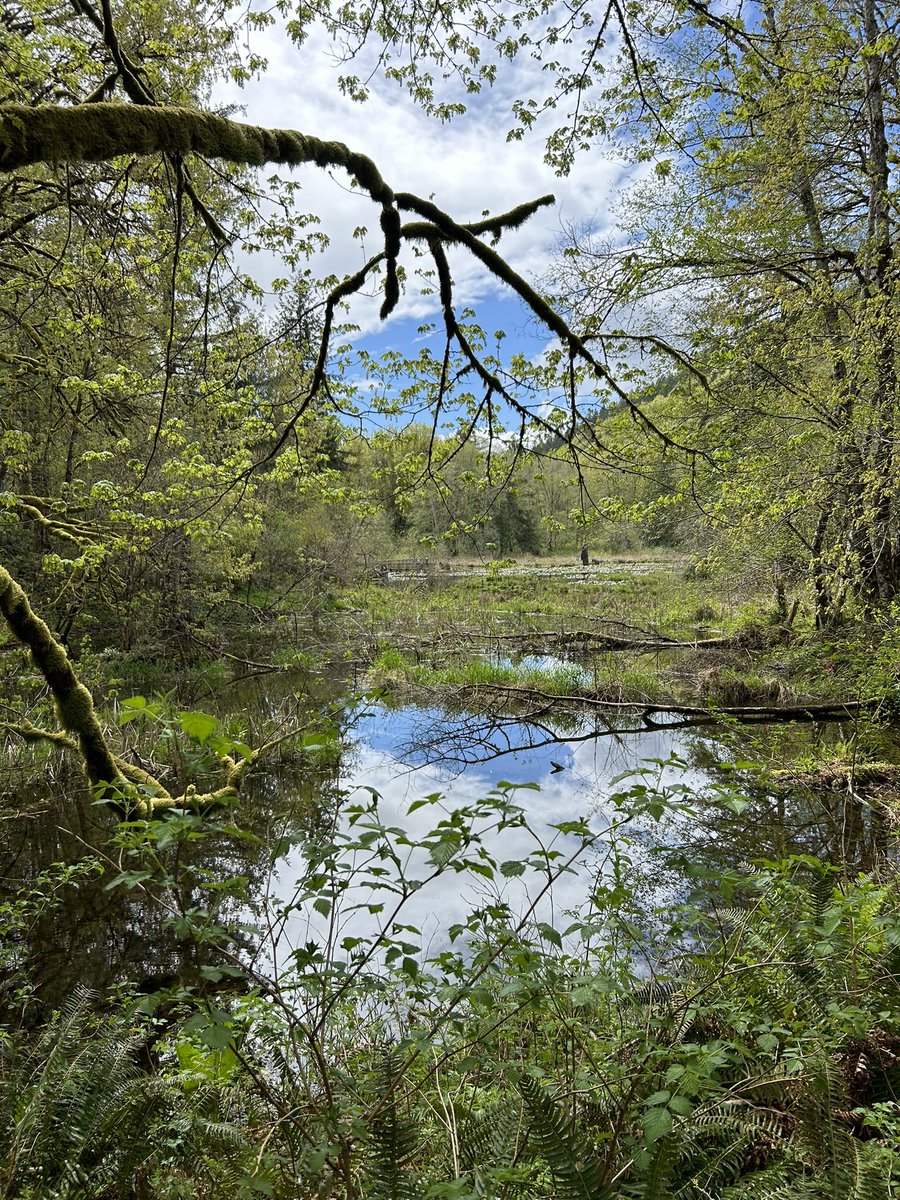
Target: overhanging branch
point(129, 789)
point(104, 131)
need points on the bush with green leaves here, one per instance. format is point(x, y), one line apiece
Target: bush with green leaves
point(744, 1045)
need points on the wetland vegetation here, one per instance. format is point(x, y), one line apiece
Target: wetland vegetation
point(449, 772)
point(452, 877)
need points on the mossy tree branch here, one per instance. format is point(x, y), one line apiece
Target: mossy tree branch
point(69, 529)
point(74, 705)
point(129, 789)
point(103, 131)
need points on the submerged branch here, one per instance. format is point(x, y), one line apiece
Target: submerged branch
point(749, 714)
point(606, 641)
point(860, 777)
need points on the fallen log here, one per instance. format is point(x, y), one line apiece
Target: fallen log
point(833, 710)
point(608, 641)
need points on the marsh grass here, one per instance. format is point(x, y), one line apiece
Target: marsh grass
point(604, 678)
point(724, 685)
point(568, 679)
point(459, 632)
point(647, 596)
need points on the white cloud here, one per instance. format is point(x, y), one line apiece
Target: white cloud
point(467, 166)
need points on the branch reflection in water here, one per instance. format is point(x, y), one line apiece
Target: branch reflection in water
point(402, 755)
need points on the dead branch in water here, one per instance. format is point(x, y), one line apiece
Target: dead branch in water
point(604, 641)
point(694, 714)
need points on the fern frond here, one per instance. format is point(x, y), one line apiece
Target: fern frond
point(492, 1135)
point(79, 1119)
point(715, 1148)
point(392, 1138)
point(780, 1181)
point(577, 1174)
point(657, 1183)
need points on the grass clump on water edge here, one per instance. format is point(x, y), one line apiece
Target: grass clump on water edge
point(395, 667)
point(637, 683)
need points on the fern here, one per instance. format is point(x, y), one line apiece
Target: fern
point(780, 1181)
point(715, 1148)
point(490, 1142)
point(658, 1179)
point(393, 1139)
point(78, 1119)
point(577, 1174)
point(493, 1134)
point(79, 1098)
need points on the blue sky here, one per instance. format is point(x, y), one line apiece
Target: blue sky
point(494, 311)
point(466, 166)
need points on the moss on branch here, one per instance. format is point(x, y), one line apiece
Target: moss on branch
point(74, 705)
point(99, 132)
point(31, 734)
point(50, 133)
point(130, 789)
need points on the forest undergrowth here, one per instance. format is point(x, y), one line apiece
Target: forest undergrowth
point(738, 1038)
point(686, 1027)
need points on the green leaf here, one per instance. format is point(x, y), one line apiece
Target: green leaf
point(581, 995)
point(657, 1123)
point(198, 726)
point(216, 1033)
point(221, 972)
point(441, 852)
point(255, 1183)
point(128, 879)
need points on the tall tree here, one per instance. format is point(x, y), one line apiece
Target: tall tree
point(767, 240)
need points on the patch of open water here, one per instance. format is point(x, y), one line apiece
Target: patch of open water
point(97, 935)
point(405, 754)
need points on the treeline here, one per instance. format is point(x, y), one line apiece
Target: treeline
point(173, 438)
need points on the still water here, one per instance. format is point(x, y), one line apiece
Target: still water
point(99, 933)
point(395, 757)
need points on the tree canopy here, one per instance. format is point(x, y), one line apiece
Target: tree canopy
point(152, 408)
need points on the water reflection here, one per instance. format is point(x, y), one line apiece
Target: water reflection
point(436, 744)
point(98, 935)
point(404, 754)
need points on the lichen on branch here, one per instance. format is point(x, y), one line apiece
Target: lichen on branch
point(51, 133)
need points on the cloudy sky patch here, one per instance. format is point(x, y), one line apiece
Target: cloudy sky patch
point(466, 166)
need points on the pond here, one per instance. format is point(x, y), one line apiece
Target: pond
point(398, 756)
point(98, 933)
